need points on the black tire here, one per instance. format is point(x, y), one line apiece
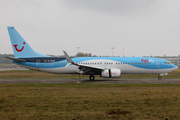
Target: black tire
point(159, 78)
point(91, 77)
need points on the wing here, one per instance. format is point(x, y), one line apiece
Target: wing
point(83, 69)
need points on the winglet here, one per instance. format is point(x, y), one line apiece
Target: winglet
point(68, 59)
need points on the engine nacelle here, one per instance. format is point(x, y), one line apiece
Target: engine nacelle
point(109, 73)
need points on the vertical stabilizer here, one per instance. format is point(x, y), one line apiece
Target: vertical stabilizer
point(20, 47)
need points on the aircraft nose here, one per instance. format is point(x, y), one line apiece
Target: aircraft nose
point(175, 67)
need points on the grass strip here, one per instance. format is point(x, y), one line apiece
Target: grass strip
point(90, 101)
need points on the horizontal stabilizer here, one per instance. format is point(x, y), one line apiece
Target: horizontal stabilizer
point(16, 59)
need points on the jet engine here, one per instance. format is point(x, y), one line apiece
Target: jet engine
point(110, 73)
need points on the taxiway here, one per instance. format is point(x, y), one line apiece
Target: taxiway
point(97, 81)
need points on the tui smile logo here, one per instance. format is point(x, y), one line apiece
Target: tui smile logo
point(19, 50)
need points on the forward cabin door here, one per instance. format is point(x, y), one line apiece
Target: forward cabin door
point(157, 63)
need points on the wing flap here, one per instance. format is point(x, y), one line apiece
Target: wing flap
point(92, 67)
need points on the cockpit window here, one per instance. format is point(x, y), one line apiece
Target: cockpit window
point(166, 62)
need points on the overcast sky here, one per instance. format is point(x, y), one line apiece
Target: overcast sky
point(141, 27)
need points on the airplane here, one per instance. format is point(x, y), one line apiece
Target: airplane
point(106, 67)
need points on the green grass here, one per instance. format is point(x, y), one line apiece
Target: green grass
point(31, 74)
point(90, 101)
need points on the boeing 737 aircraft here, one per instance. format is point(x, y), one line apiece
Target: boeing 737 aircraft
point(107, 67)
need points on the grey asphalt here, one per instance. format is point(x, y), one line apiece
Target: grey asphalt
point(97, 81)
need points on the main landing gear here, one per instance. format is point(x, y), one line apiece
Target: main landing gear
point(91, 77)
point(159, 78)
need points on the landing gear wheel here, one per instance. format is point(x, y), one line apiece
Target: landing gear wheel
point(91, 77)
point(159, 78)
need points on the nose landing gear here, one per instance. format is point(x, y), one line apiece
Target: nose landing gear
point(159, 78)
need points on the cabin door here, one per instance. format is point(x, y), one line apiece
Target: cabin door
point(38, 63)
point(157, 63)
